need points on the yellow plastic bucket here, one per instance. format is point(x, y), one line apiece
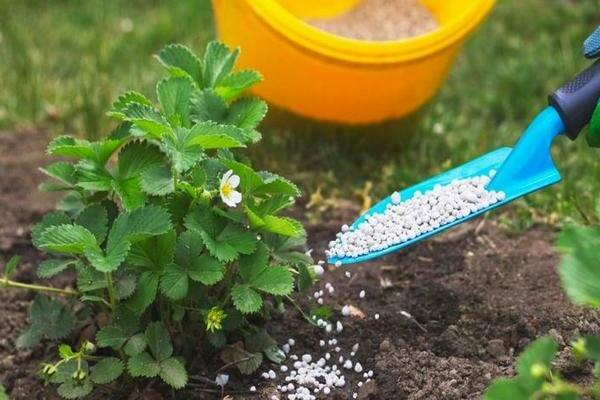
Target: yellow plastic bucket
point(322, 76)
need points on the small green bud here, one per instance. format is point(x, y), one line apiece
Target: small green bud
point(579, 349)
point(89, 347)
point(538, 370)
point(48, 369)
point(79, 375)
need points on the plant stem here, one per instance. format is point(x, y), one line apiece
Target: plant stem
point(110, 289)
point(18, 285)
point(306, 317)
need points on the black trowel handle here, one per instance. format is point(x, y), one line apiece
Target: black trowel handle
point(576, 100)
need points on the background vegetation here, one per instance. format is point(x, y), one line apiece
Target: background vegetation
point(63, 62)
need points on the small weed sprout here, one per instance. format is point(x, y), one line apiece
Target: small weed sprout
point(177, 243)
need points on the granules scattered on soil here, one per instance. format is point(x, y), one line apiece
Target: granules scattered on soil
point(381, 20)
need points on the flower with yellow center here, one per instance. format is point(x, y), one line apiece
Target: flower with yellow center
point(229, 195)
point(214, 319)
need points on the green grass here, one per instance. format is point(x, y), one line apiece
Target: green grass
point(63, 62)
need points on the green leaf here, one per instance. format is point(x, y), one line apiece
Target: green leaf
point(135, 345)
point(106, 370)
point(145, 293)
point(593, 134)
point(157, 181)
point(282, 226)
point(62, 171)
point(139, 224)
point(126, 319)
point(541, 351)
point(249, 179)
point(504, 389)
point(578, 268)
point(217, 141)
point(155, 252)
point(207, 134)
point(107, 261)
point(287, 250)
point(122, 131)
point(224, 242)
point(147, 119)
point(124, 100)
point(246, 361)
point(217, 339)
point(200, 267)
point(181, 61)
point(179, 204)
point(65, 351)
point(47, 318)
point(173, 373)
point(174, 282)
point(305, 278)
point(49, 268)
point(125, 281)
point(72, 389)
point(204, 220)
point(89, 279)
point(130, 192)
point(258, 341)
point(93, 178)
point(98, 152)
point(174, 96)
point(206, 269)
point(11, 266)
point(251, 266)
point(136, 157)
point(51, 219)
point(3, 394)
point(245, 299)
point(206, 105)
point(247, 113)
point(275, 184)
point(95, 219)
point(111, 336)
point(159, 341)
point(274, 280)
point(217, 63)
point(241, 239)
point(143, 365)
point(181, 150)
point(67, 239)
point(250, 365)
point(236, 83)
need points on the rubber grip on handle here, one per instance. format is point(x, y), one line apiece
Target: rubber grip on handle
point(577, 99)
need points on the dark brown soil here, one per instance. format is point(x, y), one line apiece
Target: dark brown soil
point(477, 295)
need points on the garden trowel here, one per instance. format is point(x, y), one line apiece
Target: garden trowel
point(525, 168)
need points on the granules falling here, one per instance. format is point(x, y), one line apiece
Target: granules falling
point(381, 20)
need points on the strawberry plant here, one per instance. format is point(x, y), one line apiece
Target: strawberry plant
point(580, 275)
point(177, 243)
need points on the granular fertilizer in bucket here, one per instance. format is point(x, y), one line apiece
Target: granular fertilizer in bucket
point(381, 20)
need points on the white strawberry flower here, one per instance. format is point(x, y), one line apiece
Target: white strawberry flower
point(229, 182)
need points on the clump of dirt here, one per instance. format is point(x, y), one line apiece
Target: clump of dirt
point(455, 311)
point(381, 20)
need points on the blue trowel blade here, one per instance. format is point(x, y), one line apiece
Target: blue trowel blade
point(520, 171)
